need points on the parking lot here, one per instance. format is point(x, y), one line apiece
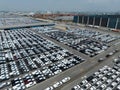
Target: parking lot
point(26, 59)
point(46, 58)
point(105, 78)
point(89, 42)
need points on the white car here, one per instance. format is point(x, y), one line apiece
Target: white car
point(57, 84)
point(30, 84)
point(118, 79)
point(2, 85)
point(65, 79)
point(103, 86)
point(57, 72)
point(77, 87)
point(114, 84)
point(49, 88)
point(94, 80)
point(109, 81)
point(118, 87)
point(93, 88)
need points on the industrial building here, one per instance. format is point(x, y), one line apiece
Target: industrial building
point(109, 21)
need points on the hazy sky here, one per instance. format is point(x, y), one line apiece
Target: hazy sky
point(60, 5)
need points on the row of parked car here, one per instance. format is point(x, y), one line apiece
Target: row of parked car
point(107, 38)
point(58, 84)
point(86, 41)
point(16, 21)
point(44, 29)
point(106, 78)
point(27, 59)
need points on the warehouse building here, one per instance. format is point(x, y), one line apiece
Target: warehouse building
point(109, 21)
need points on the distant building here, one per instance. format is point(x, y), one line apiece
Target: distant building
point(109, 21)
